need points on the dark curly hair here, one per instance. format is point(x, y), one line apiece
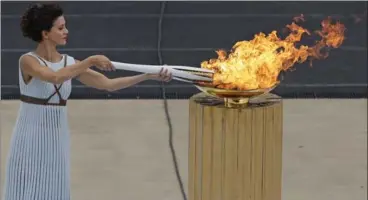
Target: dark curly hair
point(39, 17)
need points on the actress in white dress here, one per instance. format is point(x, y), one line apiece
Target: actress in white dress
point(38, 166)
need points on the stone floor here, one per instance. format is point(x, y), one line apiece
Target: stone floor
point(120, 148)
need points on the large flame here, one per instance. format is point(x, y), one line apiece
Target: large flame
point(256, 64)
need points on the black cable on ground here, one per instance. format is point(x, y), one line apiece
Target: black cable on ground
point(160, 60)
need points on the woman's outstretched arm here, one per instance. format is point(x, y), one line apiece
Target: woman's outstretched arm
point(97, 80)
point(30, 66)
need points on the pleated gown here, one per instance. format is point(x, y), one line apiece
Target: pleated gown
point(38, 163)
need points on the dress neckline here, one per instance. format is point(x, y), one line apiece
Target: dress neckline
point(58, 62)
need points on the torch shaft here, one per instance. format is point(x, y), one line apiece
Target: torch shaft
point(175, 70)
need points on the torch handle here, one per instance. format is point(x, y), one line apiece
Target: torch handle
point(154, 69)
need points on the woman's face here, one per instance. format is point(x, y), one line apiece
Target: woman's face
point(58, 33)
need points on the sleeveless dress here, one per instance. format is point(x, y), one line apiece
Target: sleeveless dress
point(38, 163)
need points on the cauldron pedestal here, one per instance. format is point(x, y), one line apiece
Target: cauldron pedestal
point(235, 153)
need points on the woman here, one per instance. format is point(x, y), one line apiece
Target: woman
point(38, 161)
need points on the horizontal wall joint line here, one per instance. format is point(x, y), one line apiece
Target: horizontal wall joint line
point(122, 49)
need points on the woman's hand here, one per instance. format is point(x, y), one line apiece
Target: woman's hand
point(101, 62)
point(163, 75)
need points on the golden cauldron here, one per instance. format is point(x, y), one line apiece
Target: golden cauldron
point(234, 98)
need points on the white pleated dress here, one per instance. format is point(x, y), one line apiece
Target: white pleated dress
point(38, 163)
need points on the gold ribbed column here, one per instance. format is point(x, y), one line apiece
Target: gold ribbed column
point(235, 154)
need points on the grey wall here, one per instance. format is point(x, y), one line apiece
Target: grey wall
point(192, 31)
